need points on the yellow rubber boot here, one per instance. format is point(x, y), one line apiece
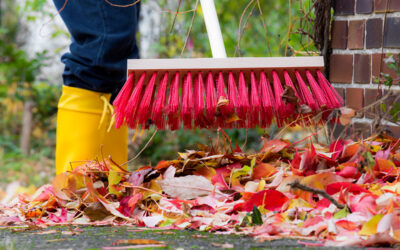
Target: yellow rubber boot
point(82, 133)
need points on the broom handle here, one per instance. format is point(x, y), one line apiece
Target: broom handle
point(213, 29)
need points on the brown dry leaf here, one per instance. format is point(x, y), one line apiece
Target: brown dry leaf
point(224, 245)
point(303, 109)
point(137, 242)
point(96, 211)
point(289, 96)
point(46, 232)
point(63, 182)
point(222, 101)
point(55, 240)
point(30, 226)
point(199, 236)
point(232, 118)
point(70, 233)
point(346, 114)
point(164, 232)
point(187, 187)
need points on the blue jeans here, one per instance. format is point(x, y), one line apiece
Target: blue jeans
point(103, 37)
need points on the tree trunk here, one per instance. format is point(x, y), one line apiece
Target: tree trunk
point(26, 126)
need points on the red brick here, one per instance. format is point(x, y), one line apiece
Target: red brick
point(392, 37)
point(373, 33)
point(394, 5)
point(362, 68)
point(395, 131)
point(344, 7)
point(356, 34)
point(380, 5)
point(371, 96)
point(376, 67)
point(339, 34)
point(341, 68)
point(364, 6)
point(354, 98)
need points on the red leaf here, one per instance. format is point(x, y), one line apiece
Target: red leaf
point(271, 199)
point(333, 188)
point(337, 147)
point(313, 221)
point(274, 146)
point(263, 170)
point(348, 225)
point(349, 172)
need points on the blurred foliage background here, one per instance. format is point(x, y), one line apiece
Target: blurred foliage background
point(265, 28)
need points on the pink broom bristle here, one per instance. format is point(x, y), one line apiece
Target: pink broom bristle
point(143, 114)
point(281, 113)
point(187, 101)
point(173, 104)
point(335, 99)
point(199, 106)
point(133, 103)
point(227, 109)
point(158, 112)
point(233, 94)
point(318, 93)
point(255, 106)
point(267, 101)
point(122, 99)
point(244, 105)
point(290, 83)
point(211, 102)
point(290, 107)
point(232, 91)
point(305, 93)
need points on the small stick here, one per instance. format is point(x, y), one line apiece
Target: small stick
point(145, 146)
point(297, 185)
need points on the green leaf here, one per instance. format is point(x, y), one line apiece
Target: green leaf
point(383, 107)
point(341, 213)
point(256, 218)
point(253, 162)
point(369, 158)
point(394, 112)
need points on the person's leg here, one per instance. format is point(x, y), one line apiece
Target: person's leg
point(103, 38)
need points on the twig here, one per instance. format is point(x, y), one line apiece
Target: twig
point(240, 32)
point(122, 6)
point(176, 14)
point(141, 151)
point(190, 28)
point(179, 12)
point(289, 27)
point(297, 185)
point(264, 27)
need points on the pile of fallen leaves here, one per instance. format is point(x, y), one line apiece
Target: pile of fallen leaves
point(344, 194)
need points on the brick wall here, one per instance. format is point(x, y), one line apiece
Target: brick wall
point(363, 32)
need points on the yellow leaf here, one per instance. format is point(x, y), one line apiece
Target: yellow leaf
point(261, 185)
point(369, 228)
point(298, 203)
point(113, 179)
point(392, 188)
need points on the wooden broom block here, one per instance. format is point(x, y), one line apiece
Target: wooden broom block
point(226, 64)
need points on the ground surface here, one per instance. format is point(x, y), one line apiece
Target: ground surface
point(99, 237)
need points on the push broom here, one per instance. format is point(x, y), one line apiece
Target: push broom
point(223, 92)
